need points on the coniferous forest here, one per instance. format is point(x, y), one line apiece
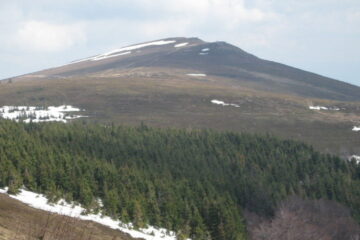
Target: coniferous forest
point(196, 182)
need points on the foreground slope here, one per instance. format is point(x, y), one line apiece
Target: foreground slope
point(295, 219)
point(18, 222)
point(197, 183)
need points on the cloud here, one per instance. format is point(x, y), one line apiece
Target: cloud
point(227, 12)
point(44, 36)
point(306, 34)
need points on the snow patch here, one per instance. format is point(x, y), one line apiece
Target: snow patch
point(34, 114)
point(204, 51)
point(125, 50)
point(324, 108)
point(356, 129)
point(39, 201)
point(355, 157)
point(196, 74)
point(101, 57)
point(181, 45)
point(222, 103)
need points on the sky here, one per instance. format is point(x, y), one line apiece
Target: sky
point(321, 36)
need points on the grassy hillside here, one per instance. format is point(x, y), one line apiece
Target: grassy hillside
point(20, 222)
point(169, 98)
point(197, 183)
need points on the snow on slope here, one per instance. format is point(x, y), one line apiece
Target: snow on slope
point(222, 103)
point(196, 74)
point(324, 108)
point(204, 51)
point(356, 157)
point(125, 50)
point(39, 114)
point(101, 57)
point(39, 201)
point(181, 45)
point(356, 129)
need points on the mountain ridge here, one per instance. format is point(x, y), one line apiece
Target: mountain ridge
point(213, 58)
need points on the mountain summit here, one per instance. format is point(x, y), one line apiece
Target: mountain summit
point(218, 59)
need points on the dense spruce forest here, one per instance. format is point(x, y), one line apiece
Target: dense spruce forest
point(196, 182)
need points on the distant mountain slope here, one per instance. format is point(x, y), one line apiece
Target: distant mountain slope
point(216, 59)
point(190, 83)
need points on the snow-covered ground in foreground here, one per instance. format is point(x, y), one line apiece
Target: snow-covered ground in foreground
point(124, 50)
point(39, 201)
point(196, 74)
point(356, 129)
point(181, 45)
point(222, 103)
point(356, 157)
point(29, 114)
point(324, 108)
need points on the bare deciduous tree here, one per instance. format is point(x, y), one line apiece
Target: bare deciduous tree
point(299, 219)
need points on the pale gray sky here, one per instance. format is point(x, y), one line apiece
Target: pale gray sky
point(322, 36)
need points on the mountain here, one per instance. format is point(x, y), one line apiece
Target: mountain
point(190, 83)
point(218, 59)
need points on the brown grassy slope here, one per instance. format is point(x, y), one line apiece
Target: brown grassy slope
point(21, 222)
point(169, 98)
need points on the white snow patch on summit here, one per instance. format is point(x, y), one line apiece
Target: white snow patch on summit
point(204, 51)
point(39, 201)
point(222, 103)
point(125, 50)
point(101, 57)
point(181, 45)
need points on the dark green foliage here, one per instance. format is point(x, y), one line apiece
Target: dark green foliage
point(193, 182)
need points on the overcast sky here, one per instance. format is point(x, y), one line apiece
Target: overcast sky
point(322, 36)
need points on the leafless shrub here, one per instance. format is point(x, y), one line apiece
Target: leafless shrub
point(299, 219)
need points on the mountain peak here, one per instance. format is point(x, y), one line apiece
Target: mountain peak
point(217, 59)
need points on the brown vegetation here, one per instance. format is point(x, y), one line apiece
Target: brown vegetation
point(20, 222)
point(177, 100)
point(298, 219)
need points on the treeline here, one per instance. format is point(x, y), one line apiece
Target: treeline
point(194, 182)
